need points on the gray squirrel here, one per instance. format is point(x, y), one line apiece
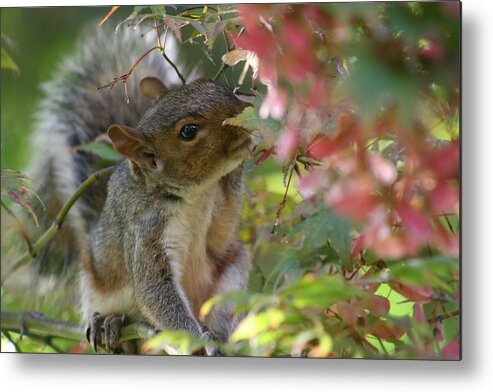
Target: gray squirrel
point(159, 238)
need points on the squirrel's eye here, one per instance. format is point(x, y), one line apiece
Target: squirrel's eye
point(188, 131)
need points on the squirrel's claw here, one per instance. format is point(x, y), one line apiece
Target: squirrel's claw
point(108, 326)
point(93, 332)
point(112, 326)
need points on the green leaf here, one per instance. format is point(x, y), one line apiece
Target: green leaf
point(323, 227)
point(250, 119)
point(288, 262)
point(174, 343)
point(8, 63)
point(103, 150)
point(255, 324)
point(158, 9)
point(435, 272)
point(320, 292)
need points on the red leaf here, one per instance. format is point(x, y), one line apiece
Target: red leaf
point(357, 245)
point(431, 50)
point(414, 222)
point(443, 197)
point(418, 312)
point(384, 330)
point(352, 198)
point(416, 294)
point(376, 304)
point(445, 162)
point(264, 156)
point(352, 315)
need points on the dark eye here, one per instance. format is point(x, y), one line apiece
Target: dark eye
point(188, 131)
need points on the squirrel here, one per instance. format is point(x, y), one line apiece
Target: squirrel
point(159, 238)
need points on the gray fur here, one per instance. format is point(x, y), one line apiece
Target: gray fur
point(154, 242)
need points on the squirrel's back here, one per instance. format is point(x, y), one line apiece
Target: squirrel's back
point(74, 112)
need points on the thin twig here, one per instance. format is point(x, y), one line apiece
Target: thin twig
point(57, 223)
point(443, 316)
point(183, 81)
point(126, 76)
point(284, 198)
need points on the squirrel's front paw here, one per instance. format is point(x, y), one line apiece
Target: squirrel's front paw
point(210, 348)
point(108, 326)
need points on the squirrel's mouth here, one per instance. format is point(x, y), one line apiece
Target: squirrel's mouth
point(242, 145)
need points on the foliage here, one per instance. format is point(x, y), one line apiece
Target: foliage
point(356, 243)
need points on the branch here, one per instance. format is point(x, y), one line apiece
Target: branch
point(57, 223)
point(124, 78)
point(34, 323)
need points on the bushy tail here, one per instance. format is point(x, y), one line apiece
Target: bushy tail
point(74, 112)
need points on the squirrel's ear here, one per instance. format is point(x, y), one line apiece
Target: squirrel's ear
point(152, 87)
point(131, 143)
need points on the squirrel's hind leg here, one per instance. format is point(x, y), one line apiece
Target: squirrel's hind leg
point(220, 321)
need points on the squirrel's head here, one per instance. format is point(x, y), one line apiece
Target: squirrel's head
point(182, 139)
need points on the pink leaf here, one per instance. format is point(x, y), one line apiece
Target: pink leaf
point(287, 144)
point(357, 245)
point(383, 170)
point(274, 104)
point(311, 183)
point(451, 350)
point(414, 222)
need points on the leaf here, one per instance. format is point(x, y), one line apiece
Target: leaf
point(383, 169)
point(350, 314)
point(17, 187)
point(288, 262)
point(265, 131)
point(103, 150)
point(242, 300)
point(385, 330)
point(251, 61)
point(254, 324)
point(377, 305)
point(416, 294)
point(326, 226)
point(451, 351)
point(158, 9)
point(250, 119)
point(174, 343)
point(434, 272)
point(8, 63)
point(112, 11)
point(319, 292)
point(175, 24)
